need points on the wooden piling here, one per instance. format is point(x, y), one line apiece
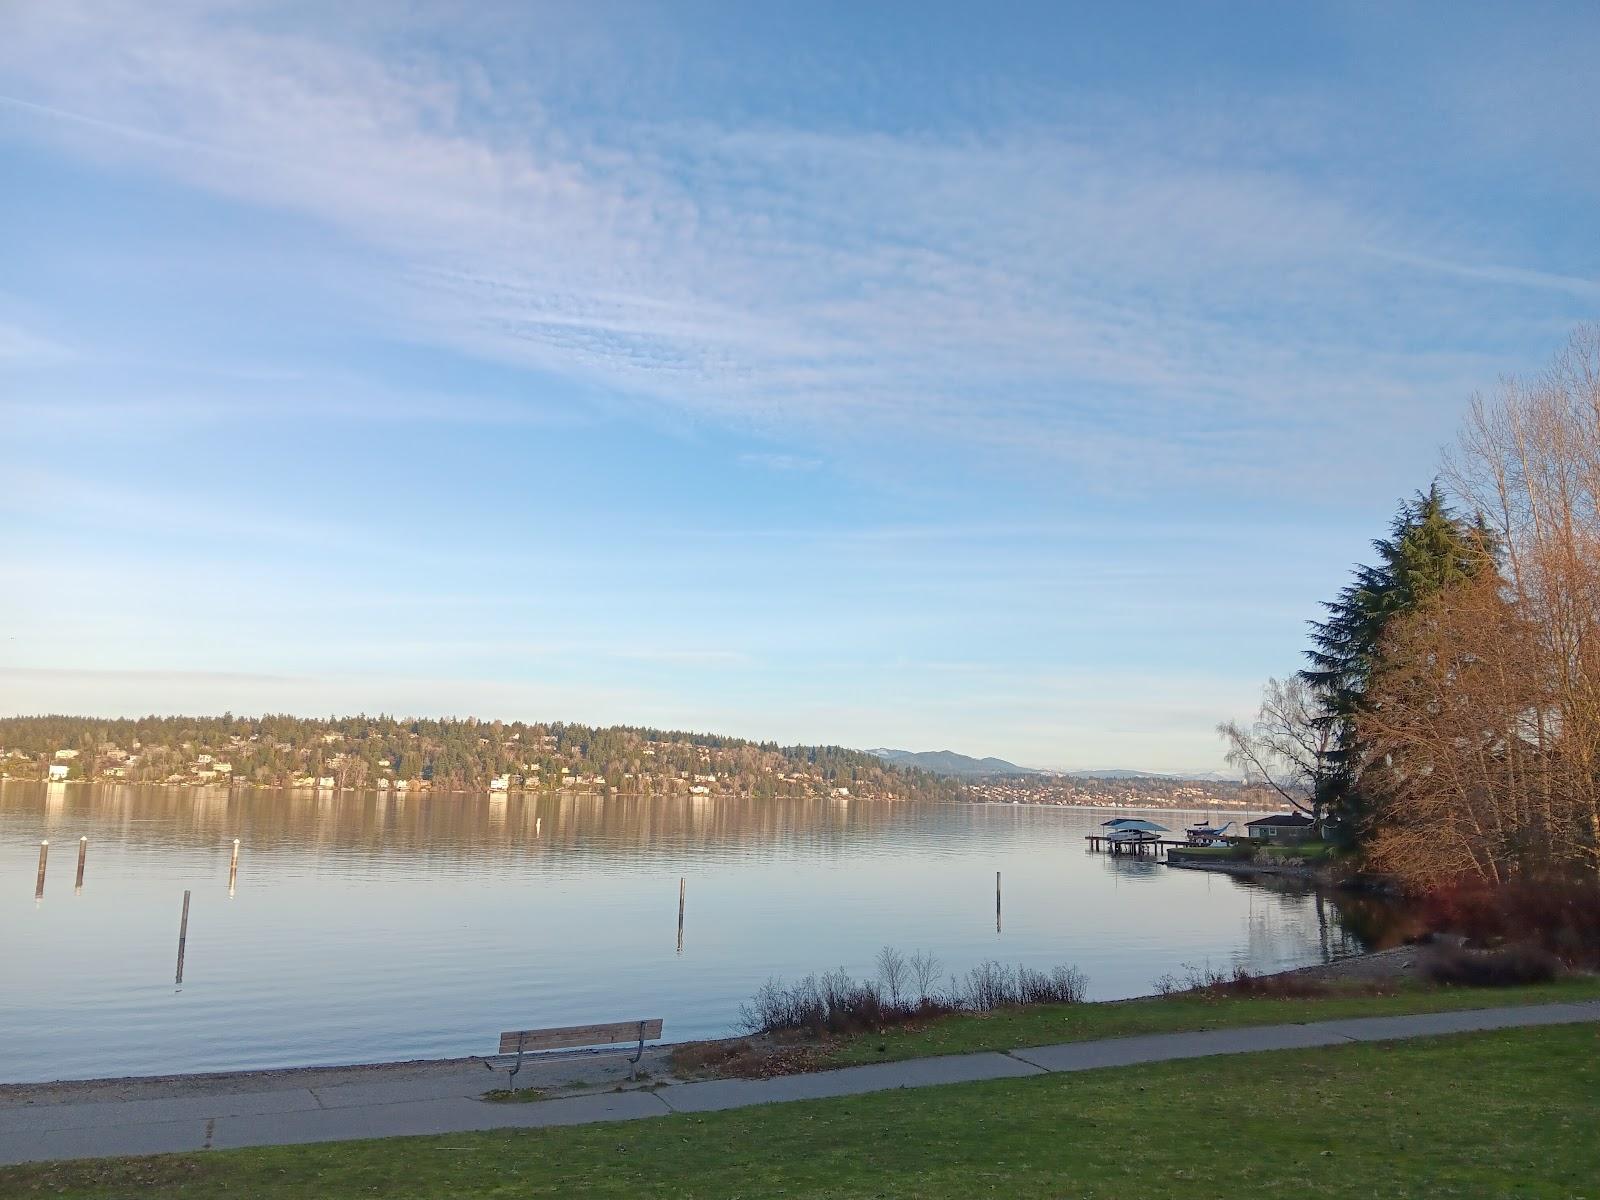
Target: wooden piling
point(681, 886)
point(997, 901)
point(233, 866)
point(44, 856)
point(83, 852)
point(183, 934)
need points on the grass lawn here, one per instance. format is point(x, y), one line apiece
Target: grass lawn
point(1310, 851)
point(1488, 1114)
point(1008, 1029)
point(1221, 853)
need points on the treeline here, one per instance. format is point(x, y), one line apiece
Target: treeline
point(1448, 725)
point(467, 754)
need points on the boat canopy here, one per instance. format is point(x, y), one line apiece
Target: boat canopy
point(1122, 823)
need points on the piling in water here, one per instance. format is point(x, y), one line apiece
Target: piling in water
point(997, 901)
point(680, 913)
point(183, 934)
point(233, 867)
point(38, 884)
point(83, 852)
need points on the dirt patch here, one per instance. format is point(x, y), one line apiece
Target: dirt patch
point(1381, 966)
point(762, 1057)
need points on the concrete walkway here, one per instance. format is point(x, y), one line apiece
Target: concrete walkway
point(449, 1103)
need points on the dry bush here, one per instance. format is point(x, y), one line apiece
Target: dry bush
point(836, 1003)
point(1508, 966)
point(1560, 915)
point(1211, 982)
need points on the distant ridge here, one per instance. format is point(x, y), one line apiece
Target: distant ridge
point(1176, 776)
point(948, 762)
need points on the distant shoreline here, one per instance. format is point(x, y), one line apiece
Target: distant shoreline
point(523, 793)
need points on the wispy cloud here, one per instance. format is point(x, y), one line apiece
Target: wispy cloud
point(1031, 290)
point(20, 347)
point(781, 462)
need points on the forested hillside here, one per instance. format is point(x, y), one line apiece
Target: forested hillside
point(449, 755)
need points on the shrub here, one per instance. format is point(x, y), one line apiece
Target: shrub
point(1561, 916)
point(1212, 982)
point(836, 1003)
point(1507, 966)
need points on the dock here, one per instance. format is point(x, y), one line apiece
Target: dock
point(1135, 846)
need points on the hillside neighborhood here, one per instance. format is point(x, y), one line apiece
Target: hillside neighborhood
point(469, 756)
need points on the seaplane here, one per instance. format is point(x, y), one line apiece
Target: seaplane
point(1201, 834)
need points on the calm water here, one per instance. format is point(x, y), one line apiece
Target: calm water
point(366, 928)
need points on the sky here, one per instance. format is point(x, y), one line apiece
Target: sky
point(1013, 379)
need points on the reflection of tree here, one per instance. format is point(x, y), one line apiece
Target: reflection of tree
point(1288, 914)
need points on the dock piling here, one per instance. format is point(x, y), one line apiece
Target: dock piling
point(44, 857)
point(997, 901)
point(83, 853)
point(681, 886)
point(183, 935)
point(233, 867)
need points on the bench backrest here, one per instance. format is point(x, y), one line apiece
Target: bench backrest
point(579, 1035)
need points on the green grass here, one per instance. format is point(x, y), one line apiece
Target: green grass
point(1214, 853)
point(525, 1095)
point(1357, 1120)
point(1007, 1029)
point(1309, 851)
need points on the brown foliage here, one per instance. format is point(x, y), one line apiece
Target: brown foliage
point(1562, 916)
point(1483, 717)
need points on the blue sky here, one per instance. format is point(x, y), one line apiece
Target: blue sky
point(1014, 379)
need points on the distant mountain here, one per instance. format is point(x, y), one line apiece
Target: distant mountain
point(948, 762)
point(1117, 773)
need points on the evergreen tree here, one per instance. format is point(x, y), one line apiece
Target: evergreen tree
point(1428, 549)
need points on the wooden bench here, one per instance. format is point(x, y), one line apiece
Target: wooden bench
point(521, 1041)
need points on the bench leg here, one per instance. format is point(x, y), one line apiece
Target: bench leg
point(633, 1063)
point(511, 1079)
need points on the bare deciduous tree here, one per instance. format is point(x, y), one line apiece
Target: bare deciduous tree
point(893, 973)
point(1286, 747)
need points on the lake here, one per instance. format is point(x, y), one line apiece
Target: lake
point(365, 927)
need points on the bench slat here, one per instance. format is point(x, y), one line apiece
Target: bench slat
point(578, 1035)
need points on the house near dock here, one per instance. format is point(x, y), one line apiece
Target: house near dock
point(58, 772)
point(1281, 827)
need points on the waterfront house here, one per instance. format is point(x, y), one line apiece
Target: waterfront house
point(1282, 827)
point(58, 772)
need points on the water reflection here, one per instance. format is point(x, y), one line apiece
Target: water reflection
point(366, 926)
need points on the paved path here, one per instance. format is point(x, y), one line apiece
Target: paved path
point(448, 1103)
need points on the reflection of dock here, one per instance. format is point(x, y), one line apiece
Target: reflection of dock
point(1123, 845)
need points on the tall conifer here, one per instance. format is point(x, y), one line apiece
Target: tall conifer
point(1428, 548)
